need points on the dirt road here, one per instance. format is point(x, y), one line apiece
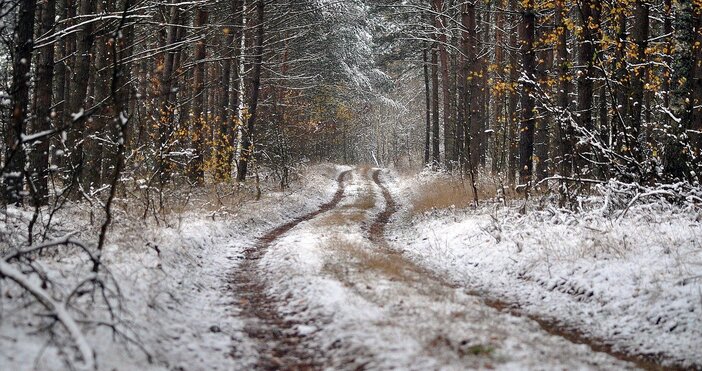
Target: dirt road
point(327, 290)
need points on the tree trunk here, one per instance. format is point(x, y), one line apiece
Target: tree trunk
point(19, 95)
point(167, 106)
point(237, 84)
point(513, 120)
point(667, 30)
point(435, 140)
point(198, 128)
point(98, 130)
point(60, 67)
point(449, 128)
point(589, 11)
point(485, 136)
point(226, 130)
point(677, 158)
point(526, 128)
point(248, 144)
point(472, 112)
point(622, 75)
point(541, 134)
point(461, 104)
point(696, 114)
point(427, 98)
point(77, 98)
point(564, 130)
point(638, 74)
point(43, 121)
point(500, 135)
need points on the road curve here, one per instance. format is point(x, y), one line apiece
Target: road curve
point(278, 344)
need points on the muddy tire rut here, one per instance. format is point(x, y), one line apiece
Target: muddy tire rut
point(279, 344)
point(643, 361)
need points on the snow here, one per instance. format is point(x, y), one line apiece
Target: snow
point(58, 309)
point(76, 116)
point(416, 300)
point(371, 309)
point(26, 138)
point(633, 281)
point(174, 278)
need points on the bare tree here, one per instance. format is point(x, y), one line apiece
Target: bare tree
point(13, 172)
point(248, 142)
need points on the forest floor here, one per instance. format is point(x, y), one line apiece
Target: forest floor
point(344, 272)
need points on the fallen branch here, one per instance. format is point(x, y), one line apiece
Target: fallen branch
point(57, 309)
point(65, 240)
point(642, 195)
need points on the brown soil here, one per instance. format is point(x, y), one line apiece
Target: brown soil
point(280, 346)
point(651, 362)
point(377, 229)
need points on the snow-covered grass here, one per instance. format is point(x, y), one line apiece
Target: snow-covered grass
point(363, 306)
point(176, 303)
point(442, 193)
point(634, 280)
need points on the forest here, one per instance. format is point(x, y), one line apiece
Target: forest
point(198, 139)
point(99, 92)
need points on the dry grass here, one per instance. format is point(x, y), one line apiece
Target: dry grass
point(363, 202)
point(342, 218)
point(364, 169)
point(442, 194)
point(356, 255)
point(388, 265)
point(452, 190)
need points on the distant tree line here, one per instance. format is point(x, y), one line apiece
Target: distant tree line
point(567, 89)
point(149, 94)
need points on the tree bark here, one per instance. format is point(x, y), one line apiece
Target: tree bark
point(98, 129)
point(541, 135)
point(512, 114)
point(167, 106)
point(435, 140)
point(564, 130)
point(427, 99)
point(226, 130)
point(590, 17)
point(526, 128)
point(638, 74)
point(248, 144)
point(696, 114)
point(43, 121)
point(198, 128)
point(19, 95)
point(79, 94)
point(472, 118)
point(449, 128)
point(677, 158)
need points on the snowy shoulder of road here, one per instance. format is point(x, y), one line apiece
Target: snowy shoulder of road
point(177, 304)
point(357, 304)
point(634, 282)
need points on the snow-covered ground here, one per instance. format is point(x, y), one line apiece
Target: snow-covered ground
point(364, 306)
point(411, 298)
point(177, 301)
point(634, 282)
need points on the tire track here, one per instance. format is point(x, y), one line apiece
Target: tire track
point(643, 361)
point(377, 229)
point(279, 344)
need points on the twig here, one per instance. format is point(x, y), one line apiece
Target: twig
point(65, 240)
point(58, 309)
